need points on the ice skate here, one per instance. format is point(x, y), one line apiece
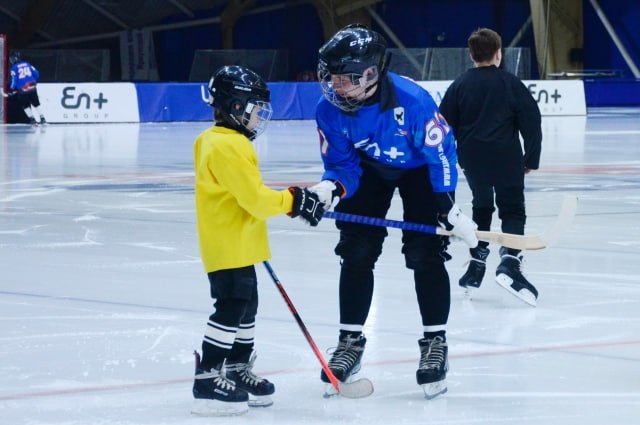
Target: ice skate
point(509, 276)
point(472, 279)
point(42, 120)
point(345, 361)
point(259, 389)
point(215, 394)
point(433, 366)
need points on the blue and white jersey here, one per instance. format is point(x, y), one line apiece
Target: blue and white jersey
point(23, 76)
point(403, 130)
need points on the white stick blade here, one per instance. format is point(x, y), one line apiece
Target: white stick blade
point(567, 212)
point(359, 388)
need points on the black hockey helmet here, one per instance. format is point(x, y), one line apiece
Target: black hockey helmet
point(351, 51)
point(234, 92)
point(14, 57)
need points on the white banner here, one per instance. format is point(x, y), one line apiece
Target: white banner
point(554, 97)
point(89, 102)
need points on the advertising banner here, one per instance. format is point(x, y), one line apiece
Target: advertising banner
point(89, 102)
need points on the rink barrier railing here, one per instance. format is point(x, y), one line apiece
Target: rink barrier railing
point(166, 102)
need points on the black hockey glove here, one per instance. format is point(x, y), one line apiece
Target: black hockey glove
point(306, 205)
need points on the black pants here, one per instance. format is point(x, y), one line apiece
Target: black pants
point(28, 98)
point(360, 246)
point(508, 199)
point(230, 328)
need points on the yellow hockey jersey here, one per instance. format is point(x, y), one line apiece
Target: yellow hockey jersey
point(232, 202)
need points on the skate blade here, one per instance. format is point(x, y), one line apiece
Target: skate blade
point(260, 401)
point(206, 407)
point(469, 291)
point(434, 389)
point(359, 388)
point(524, 294)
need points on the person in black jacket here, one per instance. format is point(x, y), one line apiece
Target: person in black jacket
point(488, 109)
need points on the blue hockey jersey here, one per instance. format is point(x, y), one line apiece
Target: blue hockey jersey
point(23, 76)
point(403, 130)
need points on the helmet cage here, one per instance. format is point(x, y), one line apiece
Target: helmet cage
point(350, 99)
point(256, 116)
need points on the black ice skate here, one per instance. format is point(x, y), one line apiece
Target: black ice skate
point(42, 120)
point(33, 121)
point(259, 389)
point(345, 361)
point(472, 279)
point(215, 394)
point(509, 276)
point(433, 366)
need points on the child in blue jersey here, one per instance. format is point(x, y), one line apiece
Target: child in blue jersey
point(380, 132)
point(24, 78)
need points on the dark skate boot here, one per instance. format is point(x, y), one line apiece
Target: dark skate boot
point(259, 389)
point(345, 361)
point(509, 276)
point(215, 394)
point(433, 366)
point(472, 279)
point(33, 121)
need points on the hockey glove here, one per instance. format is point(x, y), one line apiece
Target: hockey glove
point(306, 205)
point(328, 192)
point(460, 225)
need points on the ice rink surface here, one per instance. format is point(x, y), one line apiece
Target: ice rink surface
point(103, 298)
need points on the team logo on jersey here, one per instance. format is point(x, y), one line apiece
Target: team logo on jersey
point(436, 129)
point(398, 115)
point(324, 144)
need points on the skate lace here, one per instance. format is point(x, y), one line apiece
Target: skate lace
point(345, 354)
point(245, 372)
point(219, 379)
point(432, 356)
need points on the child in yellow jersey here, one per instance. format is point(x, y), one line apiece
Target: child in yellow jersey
point(232, 205)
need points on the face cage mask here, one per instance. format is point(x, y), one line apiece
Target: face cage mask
point(262, 117)
point(346, 103)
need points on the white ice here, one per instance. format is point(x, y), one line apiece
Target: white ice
point(103, 298)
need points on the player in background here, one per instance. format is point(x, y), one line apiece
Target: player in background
point(23, 82)
point(232, 206)
point(488, 108)
point(380, 132)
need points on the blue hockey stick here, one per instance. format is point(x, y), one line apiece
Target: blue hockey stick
point(505, 239)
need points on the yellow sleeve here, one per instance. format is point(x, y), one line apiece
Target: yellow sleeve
point(235, 166)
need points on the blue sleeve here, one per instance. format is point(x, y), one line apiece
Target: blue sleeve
point(434, 138)
point(341, 162)
point(35, 72)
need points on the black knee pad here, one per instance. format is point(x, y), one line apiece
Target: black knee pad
point(238, 283)
point(421, 252)
point(360, 251)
